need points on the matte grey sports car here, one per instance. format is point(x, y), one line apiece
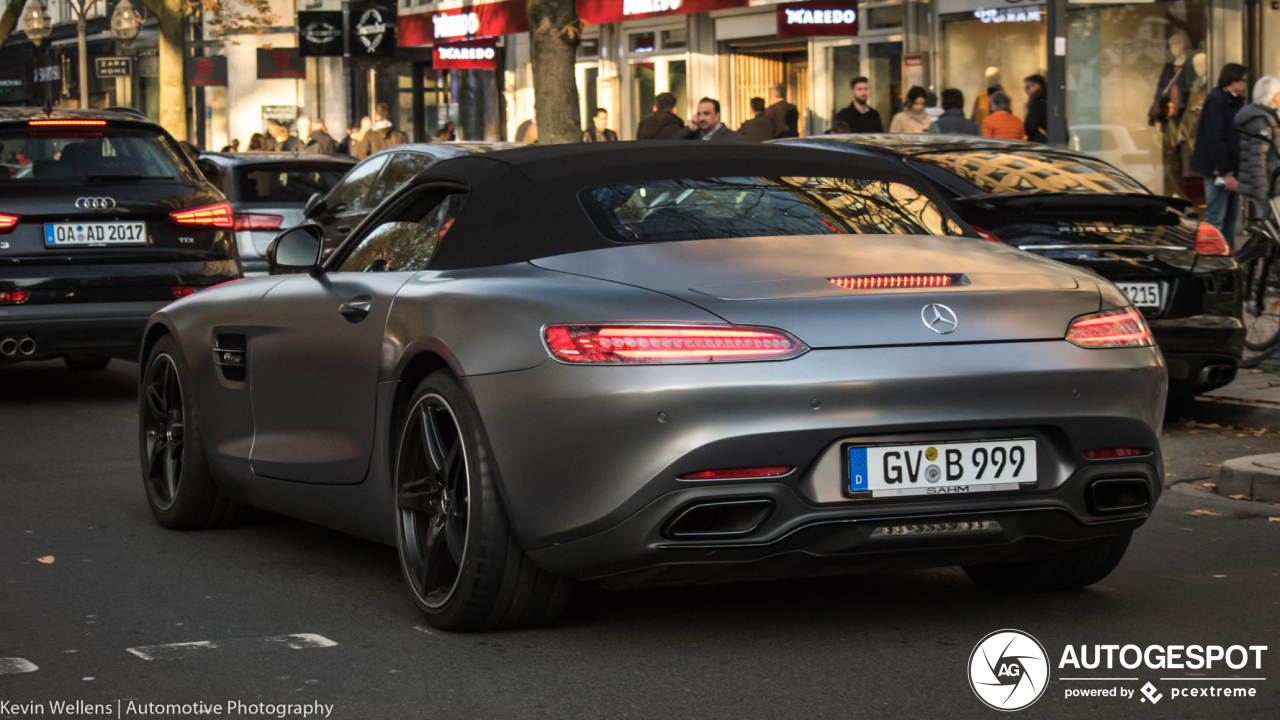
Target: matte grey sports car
point(659, 363)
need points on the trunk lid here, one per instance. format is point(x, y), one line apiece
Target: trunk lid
point(999, 295)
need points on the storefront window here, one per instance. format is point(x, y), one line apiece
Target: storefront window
point(884, 18)
point(589, 47)
point(845, 64)
point(980, 54)
point(885, 74)
point(675, 39)
point(1136, 76)
point(643, 42)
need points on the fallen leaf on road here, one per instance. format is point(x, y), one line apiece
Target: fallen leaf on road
point(1273, 519)
point(1238, 497)
point(1239, 434)
point(1170, 475)
point(1211, 464)
point(1202, 512)
point(1209, 452)
point(1194, 432)
point(47, 559)
point(1209, 485)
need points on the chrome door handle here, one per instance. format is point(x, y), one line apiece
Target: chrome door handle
point(355, 310)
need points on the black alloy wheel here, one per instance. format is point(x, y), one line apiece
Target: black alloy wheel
point(433, 495)
point(463, 565)
point(164, 428)
point(180, 489)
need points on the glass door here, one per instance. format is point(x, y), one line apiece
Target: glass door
point(884, 75)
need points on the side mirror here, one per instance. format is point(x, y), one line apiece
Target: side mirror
point(314, 206)
point(297, 249)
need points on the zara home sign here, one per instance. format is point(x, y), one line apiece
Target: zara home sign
point(821, 18)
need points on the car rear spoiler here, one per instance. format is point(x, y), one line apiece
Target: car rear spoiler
point(1034, 202)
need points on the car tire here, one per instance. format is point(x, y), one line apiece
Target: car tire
point(86, 363)
point(175, 471)
point(1068, 570)
point(459, 557)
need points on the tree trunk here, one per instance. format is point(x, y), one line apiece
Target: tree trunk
point(554, 33)
point(172, 18)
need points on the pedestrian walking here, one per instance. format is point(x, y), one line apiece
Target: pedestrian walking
point(705, 125)
point(1036, 124)
point(782, 115)
point(953, 121)
point(448, 133)
point(663, 124)
point(599, 130)
point(1001, 123)
point(1217, 152)
point(859, 117)
point(913, 118)
point(758, 128)
point(257, 143)
point(358, 146)
point(1259, 159)
point(315, 139)
point(384, 134)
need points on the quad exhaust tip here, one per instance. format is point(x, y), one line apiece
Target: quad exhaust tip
point(720, 519)
point(17, 345)
point(27, 346)
point(8, 346)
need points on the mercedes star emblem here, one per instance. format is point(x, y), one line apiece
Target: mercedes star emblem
point(939, 318)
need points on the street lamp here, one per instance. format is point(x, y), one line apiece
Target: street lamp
point(124, 22)
point(36, 22)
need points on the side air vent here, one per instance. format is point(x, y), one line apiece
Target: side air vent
point(230, 355)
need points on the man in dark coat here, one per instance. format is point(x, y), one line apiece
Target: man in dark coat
point(784, 116)
point(315, 140)
point(860, 117)
point(705, 125)
point(384, 134)
point(663, 124)
point(599, 130)
point(758, 128)
point(1036, 123)
point(1217, 152)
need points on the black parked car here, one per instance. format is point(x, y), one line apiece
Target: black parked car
point(375, 178)
point(267, 191)
point(1075, 208)
point(103, 221)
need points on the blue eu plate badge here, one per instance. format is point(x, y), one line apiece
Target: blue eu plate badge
point(858, 469)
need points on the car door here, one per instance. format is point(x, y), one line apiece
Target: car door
point(316, 344)
point(348, 203)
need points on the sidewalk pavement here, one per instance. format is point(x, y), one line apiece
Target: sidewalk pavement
point(1253, 387)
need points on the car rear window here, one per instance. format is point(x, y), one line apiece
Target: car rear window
point(995, 172)
point(285, 182)
point(695, 209)
point(77, 155)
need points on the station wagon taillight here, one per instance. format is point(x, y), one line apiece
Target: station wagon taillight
point(1209, 241)
point(248, 221)
point(13, 296)
point(623, 344)
point(8, 223)
point(1110, 329)
point(219, 216)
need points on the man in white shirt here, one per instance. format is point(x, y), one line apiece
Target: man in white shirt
point(706, 125)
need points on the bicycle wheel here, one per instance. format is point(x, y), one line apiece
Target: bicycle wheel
point(1261, 293)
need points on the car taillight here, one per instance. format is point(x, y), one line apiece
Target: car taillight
point(13, 296)
point(66, 123)
point(219, 215)
point(1109, 453)
point(181, 291)
point(876, 282)
point(615, 344)
point(739, 473)
point(984, 234)
point(1110, 329)
point(8, 223)
point(246, 221)
point(1209, 241)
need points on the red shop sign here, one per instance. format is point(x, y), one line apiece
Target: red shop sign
point(475, 55)
point(823, 17)
point(462, 23)
point(598, 12)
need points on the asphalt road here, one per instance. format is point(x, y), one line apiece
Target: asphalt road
point(884, 645)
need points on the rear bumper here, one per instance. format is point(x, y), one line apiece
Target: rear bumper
point(1202, 351)
point(113, 329)
point(589, 457)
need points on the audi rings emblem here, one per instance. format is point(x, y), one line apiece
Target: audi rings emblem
point(95, 203)
point(939, 318)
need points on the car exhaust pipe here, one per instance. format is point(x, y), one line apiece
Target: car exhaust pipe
point(732, 518)
point(27, 346)
point(8, 346)
point(1118, 495)
point(1217, 374)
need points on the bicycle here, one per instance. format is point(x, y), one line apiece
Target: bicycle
point(1259, 261)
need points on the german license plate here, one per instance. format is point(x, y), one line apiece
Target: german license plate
point(940, 468)
point(1142, 294)
point(95, 233)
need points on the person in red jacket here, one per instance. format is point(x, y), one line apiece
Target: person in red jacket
point(1001, 123)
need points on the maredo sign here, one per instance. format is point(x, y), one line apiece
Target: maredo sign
point(821, 18)
point(469, 22)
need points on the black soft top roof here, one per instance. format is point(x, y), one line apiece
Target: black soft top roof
point(524, 203)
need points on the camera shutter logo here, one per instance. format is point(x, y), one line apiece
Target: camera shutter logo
point(1008, 670)
point(95, 203)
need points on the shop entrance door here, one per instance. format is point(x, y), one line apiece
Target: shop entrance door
point(879, 62)
point(755, 71)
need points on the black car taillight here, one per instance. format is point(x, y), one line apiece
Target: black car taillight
point(247, 221)
point(219, 216)
point(8, 223)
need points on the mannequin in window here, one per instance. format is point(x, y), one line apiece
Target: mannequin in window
point(1172, 93)
point(1195, 104)
point(982, 103)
